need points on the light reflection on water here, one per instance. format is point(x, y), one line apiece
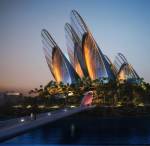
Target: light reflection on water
point(88, 131)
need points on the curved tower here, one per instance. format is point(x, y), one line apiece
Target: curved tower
point(74, 48)
point(95, 62)
point(86, 58)
point(126, 71)
point(58, 64)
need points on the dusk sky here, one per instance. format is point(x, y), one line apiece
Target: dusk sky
point(117, 26)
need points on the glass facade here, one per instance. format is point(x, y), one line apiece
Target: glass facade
point(125, 71)
point(85, 56)
point(94, 61)
point(59, 66)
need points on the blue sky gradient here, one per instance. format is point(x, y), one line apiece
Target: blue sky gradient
point(117, 26)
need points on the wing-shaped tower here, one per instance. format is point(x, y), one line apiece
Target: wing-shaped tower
point(74, 48)
point(95, 62)
point(59, 66)
point(125, 71)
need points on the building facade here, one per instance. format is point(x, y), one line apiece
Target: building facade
point(85, 56)
point(59, 66)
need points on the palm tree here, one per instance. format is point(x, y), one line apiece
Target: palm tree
point(31, 92)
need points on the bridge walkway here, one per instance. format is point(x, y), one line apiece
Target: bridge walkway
point(11, 128)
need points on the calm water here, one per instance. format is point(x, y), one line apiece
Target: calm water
point(77, 130)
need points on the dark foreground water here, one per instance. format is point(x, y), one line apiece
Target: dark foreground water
point(78, 130)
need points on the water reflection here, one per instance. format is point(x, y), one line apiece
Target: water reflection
point(77, 130)
point(72, 129)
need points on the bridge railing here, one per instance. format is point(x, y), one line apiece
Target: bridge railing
point(52, 114)
point(27, 118)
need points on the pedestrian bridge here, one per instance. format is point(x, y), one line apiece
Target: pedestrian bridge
point(13, 127)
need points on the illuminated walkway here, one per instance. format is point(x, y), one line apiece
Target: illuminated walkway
point(11, 128)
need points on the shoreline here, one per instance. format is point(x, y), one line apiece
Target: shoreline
point(116, 112)
point(104, 111)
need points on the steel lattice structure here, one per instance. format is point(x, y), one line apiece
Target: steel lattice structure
point(59, 66)
point(125, 70)
point(85, 56)
point(95, 63)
